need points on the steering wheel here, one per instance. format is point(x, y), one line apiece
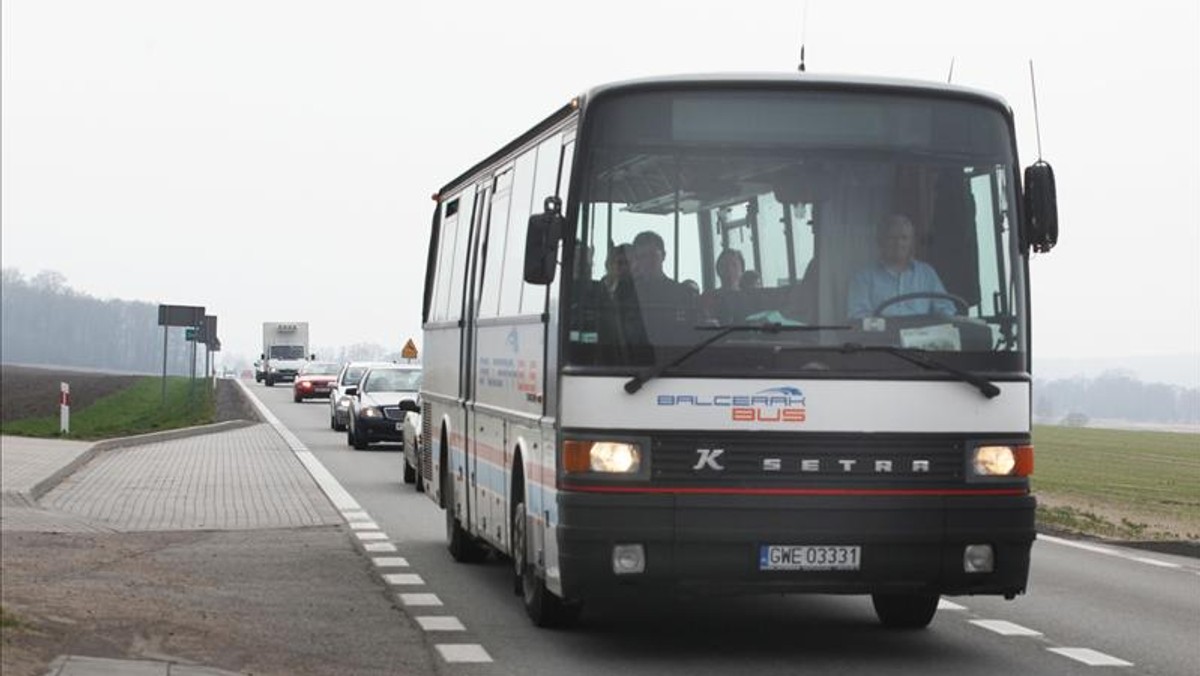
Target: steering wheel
point(961, 304)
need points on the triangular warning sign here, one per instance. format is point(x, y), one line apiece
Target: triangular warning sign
point(410, 350)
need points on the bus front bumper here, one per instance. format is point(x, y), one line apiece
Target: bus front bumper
point(701, 545)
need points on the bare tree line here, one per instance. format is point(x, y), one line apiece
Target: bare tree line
point(45, 321)
point(1117, 395)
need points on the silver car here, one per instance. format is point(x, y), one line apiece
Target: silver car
point(339, 403)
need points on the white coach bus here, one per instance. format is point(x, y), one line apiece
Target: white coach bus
point(754, 334)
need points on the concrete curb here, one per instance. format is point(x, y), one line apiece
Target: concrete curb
point(46, 485)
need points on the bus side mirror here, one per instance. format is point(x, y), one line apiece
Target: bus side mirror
point(541, 243)
point(1041, 208)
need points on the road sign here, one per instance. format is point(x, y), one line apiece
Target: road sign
point(180, 315)
point(409, 351)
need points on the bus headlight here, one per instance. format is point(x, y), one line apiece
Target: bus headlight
point(607, 457)
point(995, 460)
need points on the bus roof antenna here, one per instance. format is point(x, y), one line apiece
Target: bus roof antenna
point(950, 75)
point(803, 34)
point(1037, 124)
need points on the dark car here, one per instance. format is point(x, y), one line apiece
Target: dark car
point(378, 404)
point(315, 380)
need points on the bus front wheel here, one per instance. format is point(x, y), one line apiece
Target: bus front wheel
point(543, 606)
point(905, 611)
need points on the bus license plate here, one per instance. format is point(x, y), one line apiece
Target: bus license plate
point(809, 557)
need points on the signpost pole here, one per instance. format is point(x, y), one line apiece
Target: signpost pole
point(166, 331)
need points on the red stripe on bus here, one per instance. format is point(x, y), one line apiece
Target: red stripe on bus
point(690, 490)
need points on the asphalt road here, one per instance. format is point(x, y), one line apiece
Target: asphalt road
point(1137, 608)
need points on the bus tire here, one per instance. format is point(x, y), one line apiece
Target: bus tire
point(905, 611)
point(463, 548)
point(544, 607)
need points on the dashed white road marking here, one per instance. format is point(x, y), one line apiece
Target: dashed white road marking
point(943, 604)
point(403, 578)
point(390, 562)
point(366, 530)
point(463, 652)
point(415, 600)
point(1092, 658)
point(440, 623)
point(1108, 551)
point(1005, 628)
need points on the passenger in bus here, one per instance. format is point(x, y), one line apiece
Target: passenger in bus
point(750, 280)
point(616, 268)
point(722, 303)
point(896, 273)
point(654, 309)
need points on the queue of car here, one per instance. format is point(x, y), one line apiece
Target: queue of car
point(371, 401)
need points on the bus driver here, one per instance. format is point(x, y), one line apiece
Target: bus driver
point(897, 273)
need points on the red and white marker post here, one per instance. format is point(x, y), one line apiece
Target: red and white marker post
point(64, 408)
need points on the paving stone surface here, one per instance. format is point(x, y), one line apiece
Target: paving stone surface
point(242, 479)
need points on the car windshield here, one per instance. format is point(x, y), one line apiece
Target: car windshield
point(392, 380)
point(287, 352)
point(353, 374)
point(320, 368)
point(886, 220)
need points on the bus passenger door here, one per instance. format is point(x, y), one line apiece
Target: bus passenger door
point(474, 515)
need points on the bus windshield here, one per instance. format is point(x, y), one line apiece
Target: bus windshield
point(874, 219)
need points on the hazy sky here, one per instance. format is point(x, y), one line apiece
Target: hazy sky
point(275, 160)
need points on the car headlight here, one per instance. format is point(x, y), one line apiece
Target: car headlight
point(997, 460)
point(607, 457)
point(273, 369)
point(370, 412)
point(343, 402)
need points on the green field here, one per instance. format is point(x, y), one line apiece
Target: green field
point(1117, 483)
point(135, 410)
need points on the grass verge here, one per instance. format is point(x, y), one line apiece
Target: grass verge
point(135, 410)
point(8, 620)
point(1118, 484)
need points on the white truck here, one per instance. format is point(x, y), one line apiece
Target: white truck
point(285, 349)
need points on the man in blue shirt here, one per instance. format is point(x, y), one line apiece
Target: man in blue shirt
point(895, 274)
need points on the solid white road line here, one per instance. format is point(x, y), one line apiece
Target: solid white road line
point(943, 604)
point(1107, 551)
point(1005, 628)
point(403, 579)
point(463, 652)
point(420, 600)
point(339, 496)
point(379, 547)
point(1092, 658)
point(365, 535)
point(440, 623)
point(390, 562)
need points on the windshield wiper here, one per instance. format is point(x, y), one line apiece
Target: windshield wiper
point(635, 383)
point(916, 356)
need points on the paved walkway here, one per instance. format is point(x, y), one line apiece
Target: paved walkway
point(240, 479)
point(74, 665)
point(26, 462)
